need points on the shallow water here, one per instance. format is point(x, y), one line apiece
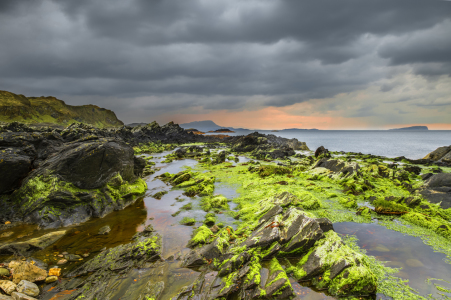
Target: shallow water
point(417, 261)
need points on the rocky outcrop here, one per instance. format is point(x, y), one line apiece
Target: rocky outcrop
point(258, 141)
point(236, 260)
point(338, 167)
point(437, 189)
point(56, 183)
point(112, 265)
point(440, 154)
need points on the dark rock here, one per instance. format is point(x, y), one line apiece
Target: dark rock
point(109, 266)
point(275, 210)
point(338, 268)
point(322, 151)
point(139, 164)
point(426, 176)
point(439, 180)
point(413, 169)
point(325, 224)
point(90, 165)
point(438, 154)
point(14, 167)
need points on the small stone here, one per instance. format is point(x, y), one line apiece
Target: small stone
point(214, 228)
point(62, 261)
point(414, 263)
point(7, 222)
point(4, 272)
point(51, 279)
point(86, 255)
point(28, 288)
point(60, 255)
point(7, 286)
point(21, 296)
point(55, 272)
point(104, 230)
point(65, 253)
point(72, 257)
point(381, 248)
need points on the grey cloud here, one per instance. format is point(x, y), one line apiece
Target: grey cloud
point(216, 54)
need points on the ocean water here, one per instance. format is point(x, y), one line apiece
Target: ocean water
point(411, 144)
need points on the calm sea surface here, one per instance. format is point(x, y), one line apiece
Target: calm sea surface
point(411, 144)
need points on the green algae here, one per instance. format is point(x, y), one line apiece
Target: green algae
point(188, 221)
point(37, 191)
point(340, 199)
point(151, 147)
point(214, 203)
point(210, 219)
point(201, 235)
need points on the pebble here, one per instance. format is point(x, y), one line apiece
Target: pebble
point(50, 279)
point(28, 288)
point(7, 286)
point(65, 253)
point(55, 272)
point(104, 230)
point(381, 248)
point(4, 272)
point(72, 257)
point(62, 262)
point(86, 255)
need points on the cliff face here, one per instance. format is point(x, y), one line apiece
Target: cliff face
point(52, 110)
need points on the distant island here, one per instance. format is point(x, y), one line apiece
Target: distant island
point(412, 128)
point(222, 130)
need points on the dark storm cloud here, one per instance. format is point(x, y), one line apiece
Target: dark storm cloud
point(217, 53)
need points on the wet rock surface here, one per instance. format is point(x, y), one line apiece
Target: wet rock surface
point(112, 264)
point(239, 261)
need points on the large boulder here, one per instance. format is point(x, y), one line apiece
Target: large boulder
point(84, 179)
point(438, 153)
point(437, 189)
point(90, 164)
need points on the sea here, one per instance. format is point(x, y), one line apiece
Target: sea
point(413, 144)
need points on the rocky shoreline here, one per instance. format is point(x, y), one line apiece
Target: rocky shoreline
point(284, 231)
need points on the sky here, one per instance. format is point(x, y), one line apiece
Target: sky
point(268, 64)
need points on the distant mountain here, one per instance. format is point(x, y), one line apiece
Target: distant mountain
point(49, 110)
point(412, 128)
point(201, 125)
point(294, 129)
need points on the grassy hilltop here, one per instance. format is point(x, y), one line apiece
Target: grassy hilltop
point(52, 110)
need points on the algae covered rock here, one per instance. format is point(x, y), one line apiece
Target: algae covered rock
point(438, 153)
point(112, 265)
point(90, 164)
point(332, 265)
